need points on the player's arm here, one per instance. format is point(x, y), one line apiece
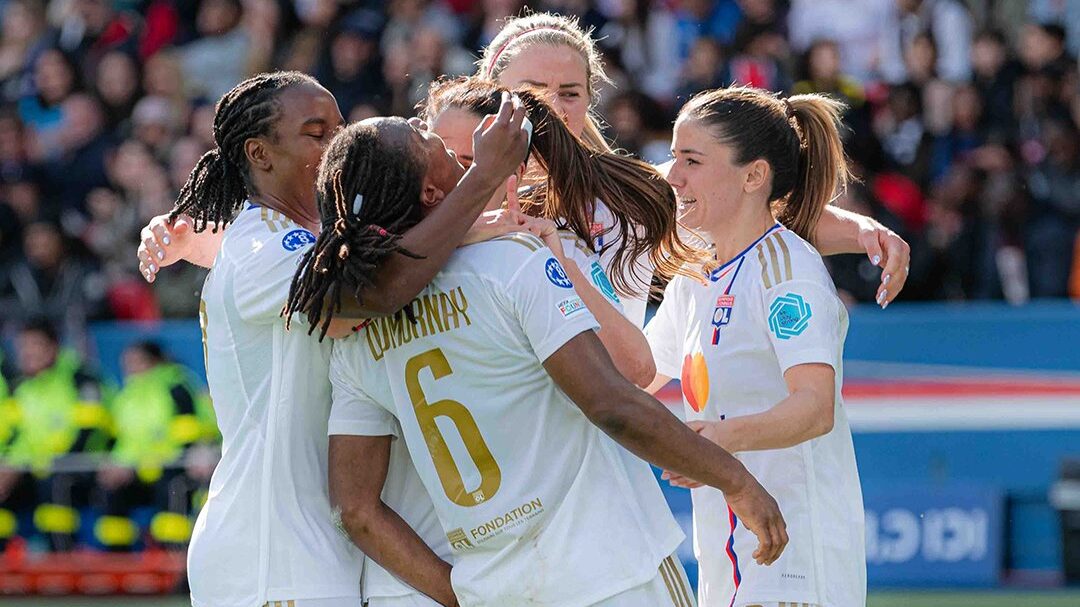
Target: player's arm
point(164, 243)
point(358, 468)
point(805, 414)
point(645, 427)
point(839, 231)
point(624, 342)
point(499, 150)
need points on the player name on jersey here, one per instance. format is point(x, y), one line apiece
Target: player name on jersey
point(433, 313)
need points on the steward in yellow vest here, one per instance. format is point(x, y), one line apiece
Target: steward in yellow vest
point(58, 412)
point(156, 416)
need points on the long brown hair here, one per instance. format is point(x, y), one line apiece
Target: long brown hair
point(798, 136)
point(576, 175)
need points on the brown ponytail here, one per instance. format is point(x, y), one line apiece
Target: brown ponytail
point(822, 167)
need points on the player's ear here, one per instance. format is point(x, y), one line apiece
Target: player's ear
point(257, 154)
point(757, 175)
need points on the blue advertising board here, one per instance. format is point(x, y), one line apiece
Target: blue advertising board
point(950, 535)
point(916, 535)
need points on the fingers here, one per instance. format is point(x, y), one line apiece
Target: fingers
point(513, 206)
point(895, 272)
point(678, 480)
point(765, 547)
point(518, 116)
point(418, 124)
point(506, 110)
point(696, 426)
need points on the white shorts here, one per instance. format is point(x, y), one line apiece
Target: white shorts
point(349, 601)
point(669, 587)
point(415, 599)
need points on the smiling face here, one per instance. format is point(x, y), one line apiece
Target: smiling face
point(707, 180)
point(557, 71)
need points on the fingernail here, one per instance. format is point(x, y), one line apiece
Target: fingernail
point(876, 259)
point(885, 280)
point(161, 255)
point(153, 268)
point(884, 305)
point(881, 297)
point(166, 239)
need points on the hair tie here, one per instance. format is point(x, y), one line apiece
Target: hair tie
point(790, 111)
point(357, 203)
point(378, 230)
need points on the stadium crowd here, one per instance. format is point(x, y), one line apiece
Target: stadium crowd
point(964, 132)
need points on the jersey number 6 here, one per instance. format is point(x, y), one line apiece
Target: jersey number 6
point(426, 414)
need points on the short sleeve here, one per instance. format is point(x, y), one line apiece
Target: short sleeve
point(589, 264)
point(353, 412)
point(804, 324)
point(548, 308)
point(262, 283)
point(665, 332)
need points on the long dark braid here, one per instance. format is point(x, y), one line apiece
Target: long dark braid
point(220, 182)
point(388, 173)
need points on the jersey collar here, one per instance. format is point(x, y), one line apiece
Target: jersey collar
point(715, 274)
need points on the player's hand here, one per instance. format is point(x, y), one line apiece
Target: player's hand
point(760, 514)
point(163, 244)
point(500, 142)
point(887, 250)
point(719, 433)
point(492, 224)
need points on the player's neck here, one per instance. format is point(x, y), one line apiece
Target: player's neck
point(307, 215)
point(739, 231)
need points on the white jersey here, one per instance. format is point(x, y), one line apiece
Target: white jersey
point(535, 503)
point(607, 234)
point(730, 341)
point(265, 533)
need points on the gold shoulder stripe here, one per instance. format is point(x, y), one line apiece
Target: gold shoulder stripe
point(264, 214)
point(773, 260)
point(786, 254)
point(581, 246)
point(764, 266)
point(528, 241)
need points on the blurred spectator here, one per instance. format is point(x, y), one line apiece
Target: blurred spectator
point(353, 68)
point(995, 75)
point(118, 87)
point(857, 26)
point(22, 39)
point(214, 63)
point(945, 25)
point(156, 416)
point(62, 413)
point(51, 282)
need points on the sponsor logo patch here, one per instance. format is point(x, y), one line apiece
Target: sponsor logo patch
point(789, 315)
point(602, 282)
point(297, 239)
point(571, 306)
point(557, 275)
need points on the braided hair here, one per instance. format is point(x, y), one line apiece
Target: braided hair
point(220, 181)
point(369, 191)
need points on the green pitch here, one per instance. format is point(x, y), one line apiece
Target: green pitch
point(877, 599)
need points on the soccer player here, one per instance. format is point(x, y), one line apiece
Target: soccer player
point(553, 53)
point(456, 108)
point(501, 391)
point(758, 344)
point(265, 533)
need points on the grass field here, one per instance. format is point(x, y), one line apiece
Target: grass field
point(878, 599)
